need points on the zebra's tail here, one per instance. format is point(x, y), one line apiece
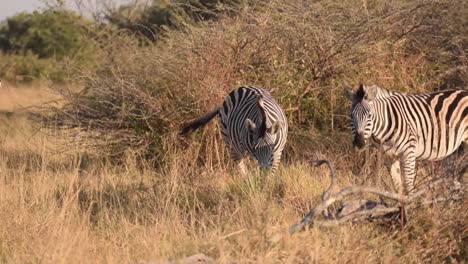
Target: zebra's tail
point(199, 122)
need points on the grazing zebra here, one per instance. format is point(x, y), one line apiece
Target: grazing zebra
point(252, 123)
point(426, 127)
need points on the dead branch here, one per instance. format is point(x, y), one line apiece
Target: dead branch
point(327, 193)
point(365, 209)
point(360, 215)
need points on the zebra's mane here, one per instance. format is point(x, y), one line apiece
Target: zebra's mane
point(375, 92)
point(261, 107)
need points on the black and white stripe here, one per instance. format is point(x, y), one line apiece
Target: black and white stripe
point(427, 127)
point(252, 123)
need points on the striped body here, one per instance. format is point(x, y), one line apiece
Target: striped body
point(252, 123)
point(427, 127)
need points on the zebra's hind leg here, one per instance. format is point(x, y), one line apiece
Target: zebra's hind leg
point(241, 165)
point(457, 167)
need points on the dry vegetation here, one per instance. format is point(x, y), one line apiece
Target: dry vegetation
point(163, 197)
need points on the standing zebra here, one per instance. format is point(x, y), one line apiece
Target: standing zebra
point(426, 127)
point(252, 123)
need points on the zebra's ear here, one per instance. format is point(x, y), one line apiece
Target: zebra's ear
point(260, 101)
point(250, 125)
point(275, 127)
point(263, 125)
point(361, 93)
point(349, 94)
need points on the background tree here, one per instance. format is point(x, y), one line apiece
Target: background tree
point(51, 33)
point(149, 20)
point(57, 35)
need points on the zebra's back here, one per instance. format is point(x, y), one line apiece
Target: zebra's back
point(439, 120)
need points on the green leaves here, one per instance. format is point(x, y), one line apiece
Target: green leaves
point(38, 45)
point(52, 33)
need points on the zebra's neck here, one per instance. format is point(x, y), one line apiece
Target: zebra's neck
point(381, 122)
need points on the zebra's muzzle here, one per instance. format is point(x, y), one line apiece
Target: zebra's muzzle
point(359, 142)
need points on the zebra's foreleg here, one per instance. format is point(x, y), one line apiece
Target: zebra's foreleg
point(239, 160)
point(395, 172)
point(275, 163)
point(397, 179)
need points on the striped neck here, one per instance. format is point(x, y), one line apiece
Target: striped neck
point(380, 121)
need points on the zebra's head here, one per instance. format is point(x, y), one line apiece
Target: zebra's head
point(262, 135)
point(361, 117)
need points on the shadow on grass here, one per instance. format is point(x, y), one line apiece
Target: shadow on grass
point(140, 203)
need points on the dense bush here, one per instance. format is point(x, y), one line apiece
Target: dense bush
point(28, 67)
point(25, 67)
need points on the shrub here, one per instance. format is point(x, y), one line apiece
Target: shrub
point(24, 68)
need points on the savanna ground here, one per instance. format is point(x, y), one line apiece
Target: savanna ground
point(99, 174)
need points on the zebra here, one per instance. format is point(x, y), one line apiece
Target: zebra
point(252, 123)
point(410, 127)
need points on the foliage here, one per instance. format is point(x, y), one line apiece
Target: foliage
point(28, 67)
point(45, 38)
point(51, 33)
point(150, 21)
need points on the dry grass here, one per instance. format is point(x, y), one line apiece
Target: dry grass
point(59, 208)
point(17, 98)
